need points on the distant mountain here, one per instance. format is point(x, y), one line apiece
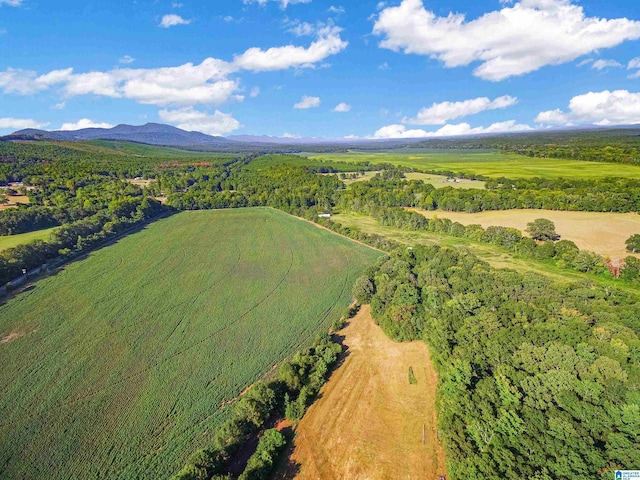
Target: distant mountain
point(267, 140)
point(151, 133)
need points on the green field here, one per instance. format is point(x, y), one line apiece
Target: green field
point(490, 164)
point(10, 241)
point(144, 150)
point(118, 366)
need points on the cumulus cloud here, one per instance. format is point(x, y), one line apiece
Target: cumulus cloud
point(602, 108)
point(283, 3)
point(127, 59)
point(336, 10)
point(190, 119)
point(602, 64)
point(281, 58)
point(512, 41)
point(11, 3)
point(440, 113)
point(452, 130)
point(171, 20)
point(84, 123)
point(342, 108)
point(207, 83)
point(9, 123)
point(307, 102)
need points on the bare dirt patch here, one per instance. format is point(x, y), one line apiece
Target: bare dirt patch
point(369, 420)
point(10, 337)
point(601, 232)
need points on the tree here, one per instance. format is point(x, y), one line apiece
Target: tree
point(363, 289)
point(633, 243)
point(542, 229)
point(3, 199)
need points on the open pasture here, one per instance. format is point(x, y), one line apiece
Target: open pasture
point(120, 365)
point(603, 233)
point(267, 161)
point(490, 164)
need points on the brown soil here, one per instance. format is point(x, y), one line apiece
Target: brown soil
point(368, 422)
point(11, 336)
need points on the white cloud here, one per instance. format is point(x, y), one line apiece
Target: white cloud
point(342, 108)
point(127, 59)
point(452, 130)
point(513, 41)
point(27, 82)
point(281, 58)
point(307, 102)
point(84, 123)
point(603, 108)
point(283, 3)
point(303, 29)
point(228, 19)
point(207, 83)
point(11, 3)
point(440, 113)
point(176, 5)
point(60, 106)
point(9, 123)
point(255, 91)
point(171, 20)
point(336, 10)
point(290, 135)
point(189, 119)
point(602, 64)
point(383, 66)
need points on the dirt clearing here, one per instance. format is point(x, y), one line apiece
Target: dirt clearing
point(369, 421)
point(603, 233)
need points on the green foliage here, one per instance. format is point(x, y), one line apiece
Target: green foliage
point(537, 380)
point(260, 464)
point(633, 243)
point(363, 289)
point(542, 229)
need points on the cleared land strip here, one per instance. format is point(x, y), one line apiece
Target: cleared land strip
point(369, 420)
point(601, 232)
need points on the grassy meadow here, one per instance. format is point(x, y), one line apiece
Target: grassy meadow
point(10, 241)
point(121, 364)
point(490, 164)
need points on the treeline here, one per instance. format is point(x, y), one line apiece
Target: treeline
point(536, 380)
point(606, 195)
point(298, 383)
point(72, 238)
point(564, 253)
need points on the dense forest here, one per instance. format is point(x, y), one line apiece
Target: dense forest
point(536, 380)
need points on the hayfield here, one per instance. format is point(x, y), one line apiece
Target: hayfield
point(603, 233)
point(369, 421)
point(10, 241)
point(490, 164)
point(120, 365)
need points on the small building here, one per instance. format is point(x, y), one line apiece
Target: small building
point(324, 215)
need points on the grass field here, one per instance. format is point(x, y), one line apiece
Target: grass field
point(490, 164)
point(10, 241)
point(143, 150)
point(368, 423)
point(495, 256)
point(603, 233)
point(118, 367)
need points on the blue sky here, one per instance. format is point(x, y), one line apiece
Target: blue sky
point(315, 68)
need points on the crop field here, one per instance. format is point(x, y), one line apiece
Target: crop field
point(490, 164)
point(10, 241)
point(370, 419)
point(603, 233)
point(143, 150)
point(121, 364)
